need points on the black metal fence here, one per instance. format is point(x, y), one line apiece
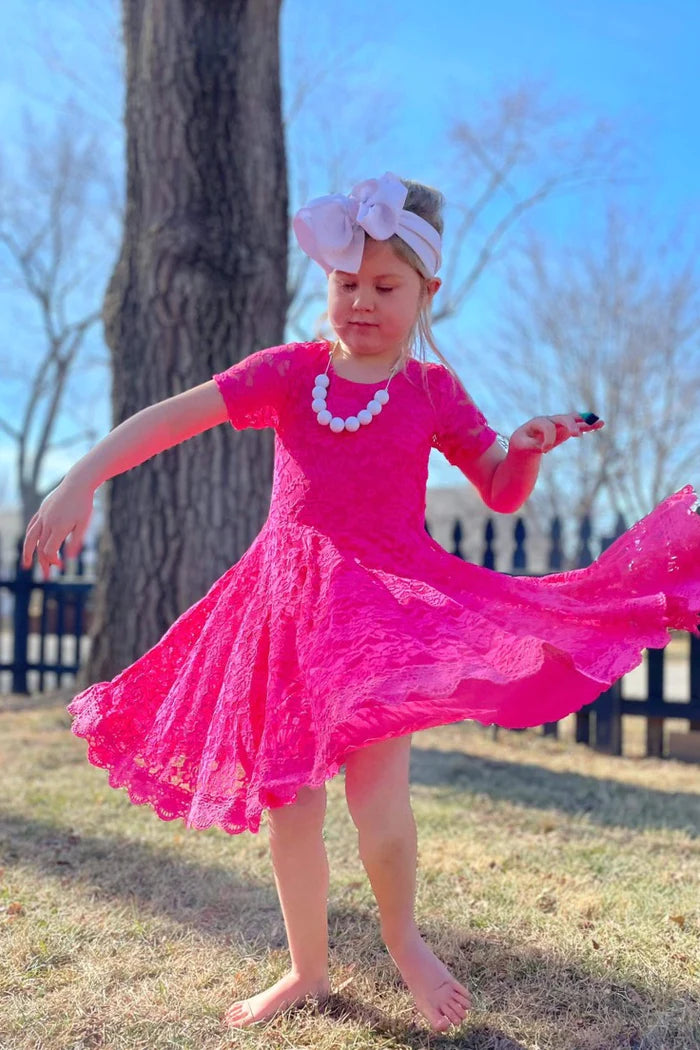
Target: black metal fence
point(60, 608)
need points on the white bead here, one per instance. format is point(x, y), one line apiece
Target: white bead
point(319, 391)
point(365, 417)
point(352, 424)
point(324, 417)
point(322, 380)
point(318, 404)
point(337, 424)
point(382, 396)
point(374, 407)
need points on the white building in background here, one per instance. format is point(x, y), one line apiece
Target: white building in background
point(445, 505)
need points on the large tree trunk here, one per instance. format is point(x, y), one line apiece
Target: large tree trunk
point(200, 283)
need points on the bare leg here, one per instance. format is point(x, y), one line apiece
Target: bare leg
point(376, 787)
point(390, 860)
point(300, 865)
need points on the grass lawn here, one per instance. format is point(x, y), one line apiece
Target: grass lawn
point(560, 885)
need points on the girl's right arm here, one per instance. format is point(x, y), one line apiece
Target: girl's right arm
point(150, 431)
point(68, 507)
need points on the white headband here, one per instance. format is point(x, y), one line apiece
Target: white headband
point(331, 229)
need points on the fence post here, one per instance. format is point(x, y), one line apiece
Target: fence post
point(584, 557)
point(695, 678)
point(556, 553)
point(489, 559)
point(583, 727)
point(655, 695)
point(20, 623)
point(608, 720)
point(519, 560)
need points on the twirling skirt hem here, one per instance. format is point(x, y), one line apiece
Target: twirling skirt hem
point(400, 714)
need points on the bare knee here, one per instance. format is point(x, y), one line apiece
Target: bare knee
point(308, 810)
point(377, 785)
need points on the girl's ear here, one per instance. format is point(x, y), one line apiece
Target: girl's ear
point(432, 285)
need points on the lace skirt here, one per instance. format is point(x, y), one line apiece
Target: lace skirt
point(306, 650)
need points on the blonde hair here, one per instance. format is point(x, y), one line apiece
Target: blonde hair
point(427, 202)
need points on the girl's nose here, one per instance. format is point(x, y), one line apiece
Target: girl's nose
point(363, 299)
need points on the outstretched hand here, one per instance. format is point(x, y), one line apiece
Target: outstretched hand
point(543, 433)
point(67, 509)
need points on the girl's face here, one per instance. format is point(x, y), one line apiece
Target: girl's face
point(373, 311)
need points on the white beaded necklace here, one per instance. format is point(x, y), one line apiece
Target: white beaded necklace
point(352, 423)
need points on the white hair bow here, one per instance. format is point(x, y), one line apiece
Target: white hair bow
point(331, 230)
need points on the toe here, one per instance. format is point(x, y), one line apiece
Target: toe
point(434, 1016)
point(236, 1014)
point(450, 1012)
point(460, 997)
point(439, 1016)
point(458, 1007)
point(441, 1024)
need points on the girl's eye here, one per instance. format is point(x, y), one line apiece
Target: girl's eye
point(380, 288)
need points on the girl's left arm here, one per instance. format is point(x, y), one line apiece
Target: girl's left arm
point(514, 475)
point(513, 478)
point(504, 480)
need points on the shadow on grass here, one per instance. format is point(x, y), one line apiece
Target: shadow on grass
point(340, 1009)
point(505, 978)
point(606, 802)
point(113, 869)
point(567, 1005)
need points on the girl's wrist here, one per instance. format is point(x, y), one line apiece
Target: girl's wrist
point(517, 452)
point(81, 477)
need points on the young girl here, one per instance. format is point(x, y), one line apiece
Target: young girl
point(345, 628)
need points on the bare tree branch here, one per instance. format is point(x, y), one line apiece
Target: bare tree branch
point(519, 139)
point(612, 327)
point(45, 230)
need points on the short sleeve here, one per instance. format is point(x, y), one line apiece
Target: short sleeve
point(255, 389)
point(462, 433)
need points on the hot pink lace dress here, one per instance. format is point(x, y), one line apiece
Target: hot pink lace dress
point(344, 623)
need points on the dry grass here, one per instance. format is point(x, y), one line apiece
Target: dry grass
point(561, 885)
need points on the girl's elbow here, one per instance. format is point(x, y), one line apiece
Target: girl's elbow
point(501, 507)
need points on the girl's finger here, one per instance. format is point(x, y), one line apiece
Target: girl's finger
point(31, 533)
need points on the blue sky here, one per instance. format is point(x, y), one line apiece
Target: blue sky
point(406, 70)
point(636, 62)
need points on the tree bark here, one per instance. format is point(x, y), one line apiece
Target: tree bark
point(199, 284)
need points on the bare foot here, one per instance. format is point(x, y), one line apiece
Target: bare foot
point(290, 990)
point(441, 999)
